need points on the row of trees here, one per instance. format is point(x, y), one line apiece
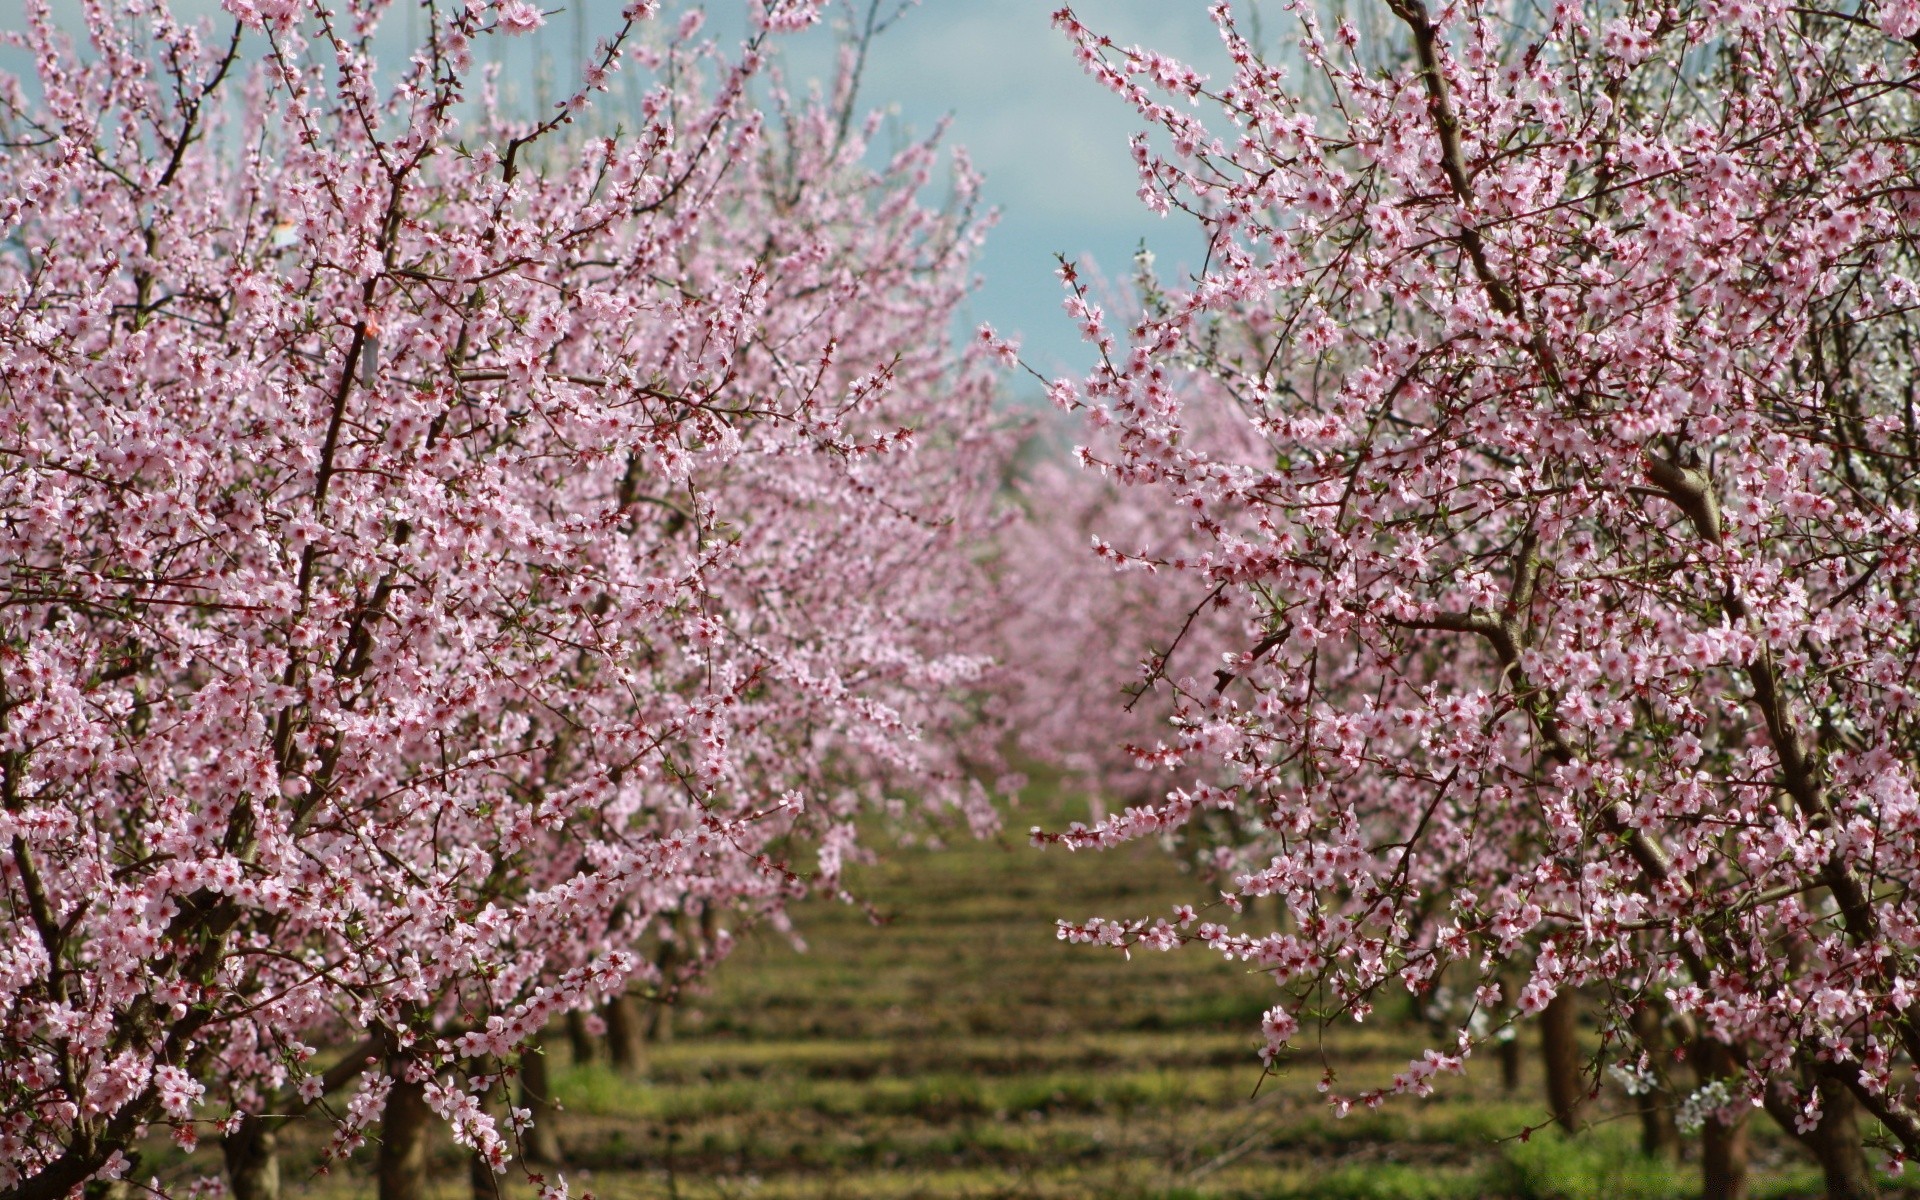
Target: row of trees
point(1531, 588)
point(440, 552)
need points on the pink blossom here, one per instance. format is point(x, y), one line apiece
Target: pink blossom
point(431, 581)
point(519, 16)
point(1477, 524)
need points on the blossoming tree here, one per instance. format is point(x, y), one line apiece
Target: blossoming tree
point(437, 548)
point(1575, 555)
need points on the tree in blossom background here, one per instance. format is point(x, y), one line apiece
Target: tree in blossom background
point(442, 546)
point(1572, 557)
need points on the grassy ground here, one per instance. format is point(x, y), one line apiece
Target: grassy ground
point(959, 1050)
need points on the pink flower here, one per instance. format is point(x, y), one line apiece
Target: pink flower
point(519, 16)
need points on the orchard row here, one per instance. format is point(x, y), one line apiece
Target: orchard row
point(445, 556)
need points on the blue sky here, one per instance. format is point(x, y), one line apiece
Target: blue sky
point(1051, 143)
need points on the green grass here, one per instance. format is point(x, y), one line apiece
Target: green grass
point(959, 1050)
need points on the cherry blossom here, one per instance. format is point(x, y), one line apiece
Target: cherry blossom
point(1542, 416)
point(441, 548)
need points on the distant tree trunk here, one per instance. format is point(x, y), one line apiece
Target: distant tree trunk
point(482, 1182)
point(1723, 1144)
point(1659, 1136)
point(660, 1020)
point(542, 1142)
point(579, 1041)
point(402, 1164)
point(626, 1039)
point(1835, 1143)
point(1510, 1061)
point(1560, 1056)
point(1723, 1160)
point(1512, 1053)
point(252, 1154)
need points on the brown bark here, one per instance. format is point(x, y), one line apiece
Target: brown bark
point(660, 1024)
point(482, 1181)
point(1659, 1136)
point(1560, 1057)
point(1723, 1145)
point(1510, 1065)
point(660, 1020)
point(402, 1164)
point(626, 1037)
point(1835, 1143)
point(584, 1048)
point(1723, 1160)
point(541, 1143)
point(252, 1155)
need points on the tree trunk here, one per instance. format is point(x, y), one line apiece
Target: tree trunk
point(1659, 1136)
point(482, 1182)
point(1723, 1160)
point(542, 1142)
point(402, 1164)
point(660, 1020)
point(1560, 1056)
point(1835, 1143)
point(585, 1050)
point(626, 1038)
point(1723, 1145)
point(252, 1154)
point(1510, 1062)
